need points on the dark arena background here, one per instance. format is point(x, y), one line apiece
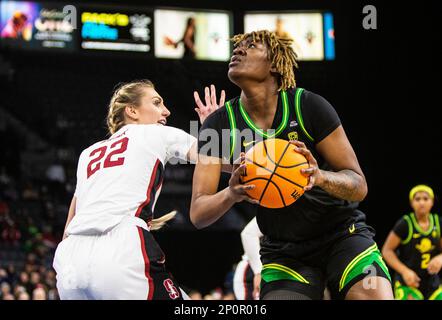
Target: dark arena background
point(383, 82)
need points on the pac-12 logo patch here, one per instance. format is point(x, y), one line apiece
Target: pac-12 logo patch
point(171, 289)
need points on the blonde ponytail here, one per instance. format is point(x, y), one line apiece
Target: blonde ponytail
point(156, 224)
point(126, 94)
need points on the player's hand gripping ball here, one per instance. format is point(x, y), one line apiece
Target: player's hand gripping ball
point(274, 167)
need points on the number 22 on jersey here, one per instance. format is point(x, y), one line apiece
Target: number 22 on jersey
point(112, 160)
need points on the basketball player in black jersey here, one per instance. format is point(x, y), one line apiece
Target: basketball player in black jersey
point(320, 239)
point(413, 249)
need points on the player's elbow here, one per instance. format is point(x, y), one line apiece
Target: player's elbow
point(363, 191)
point(384, 251)
point(196, 217)
point(360, 188)
point(196, 221)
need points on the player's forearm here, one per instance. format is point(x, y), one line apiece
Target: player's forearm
point(207, 209)
point(393, 261)
point(345, 184)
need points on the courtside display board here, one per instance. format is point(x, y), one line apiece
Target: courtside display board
point(312, 32)
point(116, 29)
point(200, 35)
point(37, 25)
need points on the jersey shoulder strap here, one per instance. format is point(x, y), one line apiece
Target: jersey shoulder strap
point(233, 126)
point(298, 113)
point(410, 228)
point(437, 224)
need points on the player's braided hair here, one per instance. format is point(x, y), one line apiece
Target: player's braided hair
point(281, 54)
point(125, 94)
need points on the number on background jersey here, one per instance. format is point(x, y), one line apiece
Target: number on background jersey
point(95, 163)
point(425, 260)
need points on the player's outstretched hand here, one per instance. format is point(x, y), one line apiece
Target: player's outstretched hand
point(236, 188)
point(211, 104)
point(312, 172)
point(435, 265)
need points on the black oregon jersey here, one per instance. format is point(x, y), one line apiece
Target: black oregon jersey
point(418, 247)
point(300, 115)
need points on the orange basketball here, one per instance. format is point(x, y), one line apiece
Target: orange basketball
point(274, 167)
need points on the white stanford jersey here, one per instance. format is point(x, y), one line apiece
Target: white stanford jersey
point(122, 176)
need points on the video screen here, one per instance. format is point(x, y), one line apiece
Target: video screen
point(181, 34)
point(34, 25)
point(116, 29)
point(313, 32)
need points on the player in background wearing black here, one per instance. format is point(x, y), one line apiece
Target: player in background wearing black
point(413, 249)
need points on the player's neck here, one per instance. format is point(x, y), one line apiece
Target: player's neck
point(422, 218)
point(260, 100)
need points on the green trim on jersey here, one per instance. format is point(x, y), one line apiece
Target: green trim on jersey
point(282, 125)
point(436, 220)
point(232, 122)
point(418, 228)
point(402, 292)
point(274, 271)
point(437, 295)
point(360, 263)
point(299, 113)
point(410, 230)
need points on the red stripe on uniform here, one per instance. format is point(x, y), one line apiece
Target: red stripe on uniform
point(149, 188)
point(244, 281)
point(146, 265)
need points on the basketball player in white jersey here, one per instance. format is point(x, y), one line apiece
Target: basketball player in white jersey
point(108, 251)
point(248, 271)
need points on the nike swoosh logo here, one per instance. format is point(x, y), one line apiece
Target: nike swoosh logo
point(352, 228)
point(245, 144)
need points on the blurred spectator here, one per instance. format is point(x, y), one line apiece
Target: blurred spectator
point(53, 294)
point(12, 275)
point(18, 290)
point(29, 192)
point(39, 293)
point(48, 237)
point(24, 281)
point(56, 173)
point(5, 289)
point(195, 295)
point(23, 296)
point(3, 275)
point(50, 279)
point(8, 297)
point(215, 294)
point(4, 209)
point(35, 279)
point(10, 233)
